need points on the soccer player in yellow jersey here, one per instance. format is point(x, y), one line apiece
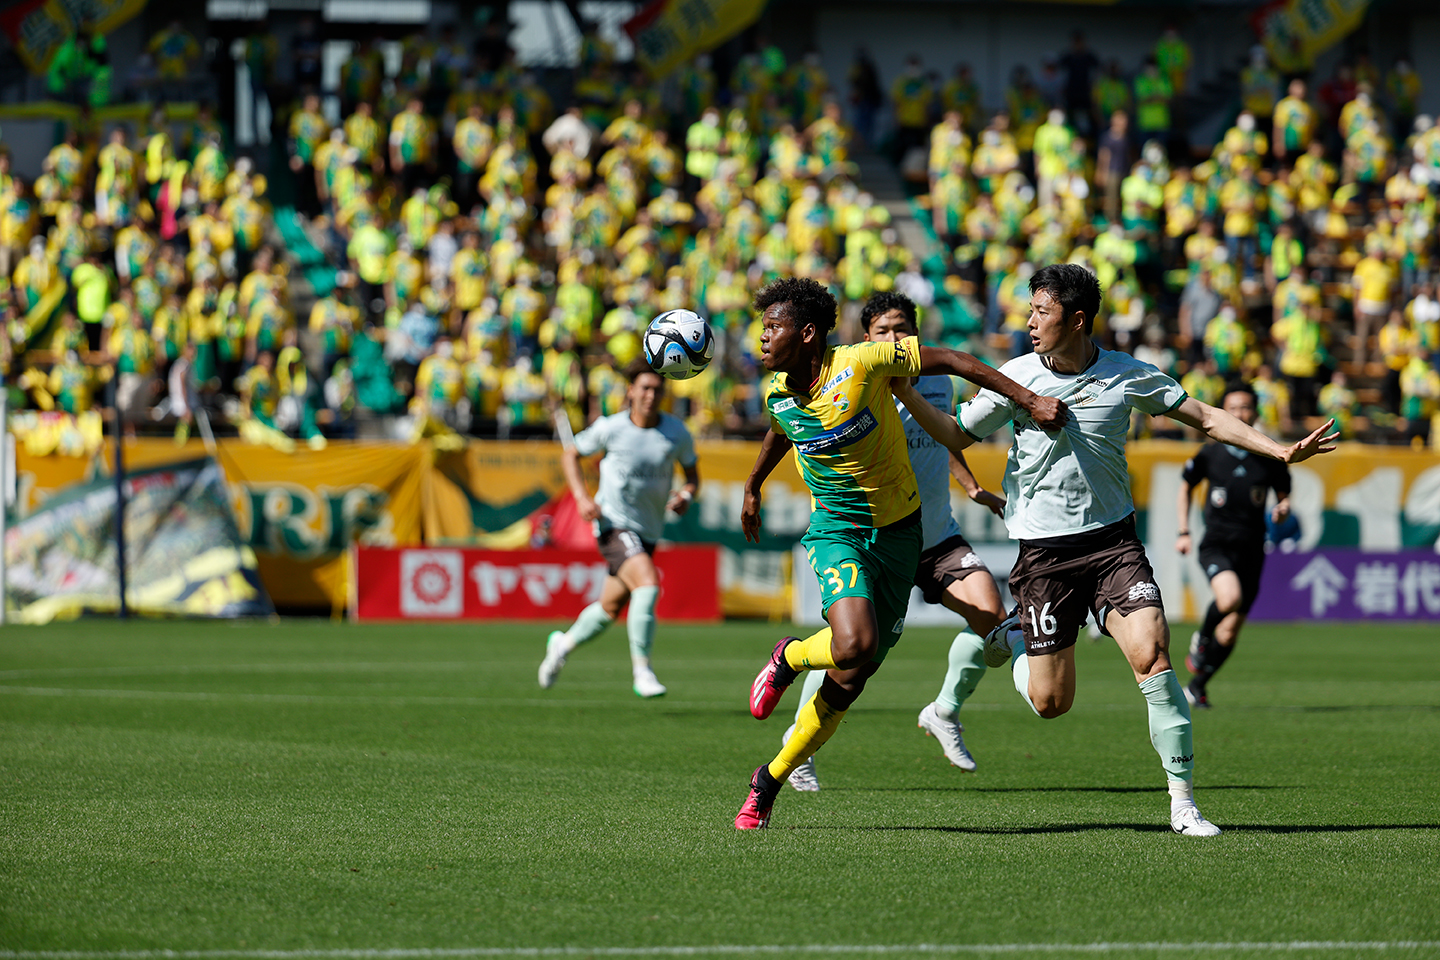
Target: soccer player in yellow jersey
point(834, 406)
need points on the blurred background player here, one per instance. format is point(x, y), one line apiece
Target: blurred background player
point(1069, 504)
point(831, 404)
point(640, 447)
point(1232, 552)
point(950, 572)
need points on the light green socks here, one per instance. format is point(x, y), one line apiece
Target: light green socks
point(590, 624)
point(641, 622)
point(1170, 725)
point(966, 667)
point(813, 680)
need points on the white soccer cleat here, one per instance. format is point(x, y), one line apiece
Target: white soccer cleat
point(1187, 820)
point(949, 736)
point(557, 648)
point(647, 687)
point(1000, 642)
point(803, 777)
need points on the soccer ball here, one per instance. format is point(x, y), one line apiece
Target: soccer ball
point(679, 344)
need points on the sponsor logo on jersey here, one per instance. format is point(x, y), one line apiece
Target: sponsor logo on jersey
point(842, 436)
point(838, 379)
point(1145, 591)
point(787, 404)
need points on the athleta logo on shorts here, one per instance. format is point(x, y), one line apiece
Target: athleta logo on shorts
point(971, 560)
point(899, 627)
point(1145, 591)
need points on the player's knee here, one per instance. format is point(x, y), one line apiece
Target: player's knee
point(1050, 707)
point(853, 648)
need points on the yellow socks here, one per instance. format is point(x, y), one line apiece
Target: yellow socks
point(813, 726)
point(812, 653)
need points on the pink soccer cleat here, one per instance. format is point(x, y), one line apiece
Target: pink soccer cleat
point(772, 681)
point(755, 812)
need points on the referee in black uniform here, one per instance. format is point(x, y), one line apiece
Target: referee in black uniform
point(1232, 552)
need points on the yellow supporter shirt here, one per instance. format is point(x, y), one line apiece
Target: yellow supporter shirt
point(849, 441)
point(1374, 277)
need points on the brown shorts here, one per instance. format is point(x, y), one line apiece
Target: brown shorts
point(617, 546)
point(1056, 585)
point(943, 564)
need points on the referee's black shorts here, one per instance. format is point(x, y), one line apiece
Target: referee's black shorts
point(1245, 559)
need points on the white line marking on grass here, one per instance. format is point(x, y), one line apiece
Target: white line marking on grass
point(327, 699)
point(719, 949)
point(165, 670)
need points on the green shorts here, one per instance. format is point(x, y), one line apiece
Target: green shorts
point(875, 563)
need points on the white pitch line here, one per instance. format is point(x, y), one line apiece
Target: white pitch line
point(1280, 946)
point(330, 698)
point(325, 667)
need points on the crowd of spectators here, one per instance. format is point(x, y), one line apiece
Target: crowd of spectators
point(465, 256)
point(1296, 253)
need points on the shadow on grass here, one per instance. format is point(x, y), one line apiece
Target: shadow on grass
point(1273, 828)
point(965, 789)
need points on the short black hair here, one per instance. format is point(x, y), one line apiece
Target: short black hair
point(1240, 386)
point(882, 303)
point(1071, 286)
point(636, 368)
point(809, 302)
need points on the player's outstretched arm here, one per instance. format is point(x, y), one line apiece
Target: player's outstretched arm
point(1047, 412)
point(772, 450)
point(1219, 425)
point(940, 426)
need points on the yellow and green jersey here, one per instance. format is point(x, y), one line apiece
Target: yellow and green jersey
point(849, 441)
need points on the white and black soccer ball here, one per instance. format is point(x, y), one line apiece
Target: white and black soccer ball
point(679, 344)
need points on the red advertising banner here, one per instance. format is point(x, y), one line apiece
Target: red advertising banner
point(460, 584)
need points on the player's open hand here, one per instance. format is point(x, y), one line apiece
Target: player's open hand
point(1047, 412)
point(589, 509)
point(990, 501)
point(750, 516)
point(1321, 441)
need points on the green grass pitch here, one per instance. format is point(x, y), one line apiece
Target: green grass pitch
point(308, 786)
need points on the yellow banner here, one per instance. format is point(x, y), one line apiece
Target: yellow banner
point(668, 33)
point(299, 511)
point(114, 113)
point(1296, 33)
